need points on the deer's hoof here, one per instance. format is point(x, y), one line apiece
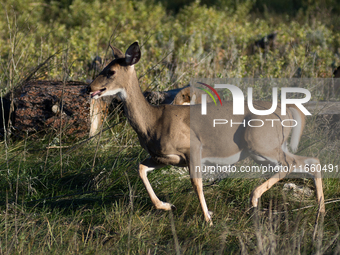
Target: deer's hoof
point(165, 206)
point(254, 200)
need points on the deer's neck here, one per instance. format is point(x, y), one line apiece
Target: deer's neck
point(141, 115)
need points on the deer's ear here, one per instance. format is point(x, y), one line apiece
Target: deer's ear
point(132, 54)
point(116, 52)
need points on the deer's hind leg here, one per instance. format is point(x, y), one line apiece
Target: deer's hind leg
point(287, 163)
point(276, 161)
point(194, 160)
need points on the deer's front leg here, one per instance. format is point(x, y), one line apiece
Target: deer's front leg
point(144, 167)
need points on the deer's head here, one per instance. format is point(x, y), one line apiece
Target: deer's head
point(117, 75)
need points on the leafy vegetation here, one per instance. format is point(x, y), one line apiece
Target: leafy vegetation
point(87, 198)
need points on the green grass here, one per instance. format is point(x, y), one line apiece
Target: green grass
point(105, 209)
point(87, 198)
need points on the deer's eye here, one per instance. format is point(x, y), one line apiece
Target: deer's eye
point(110, 73)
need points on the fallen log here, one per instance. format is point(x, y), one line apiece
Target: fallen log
point(45, 105)
point(42, 105)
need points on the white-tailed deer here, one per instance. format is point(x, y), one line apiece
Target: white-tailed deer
point(164, 132)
